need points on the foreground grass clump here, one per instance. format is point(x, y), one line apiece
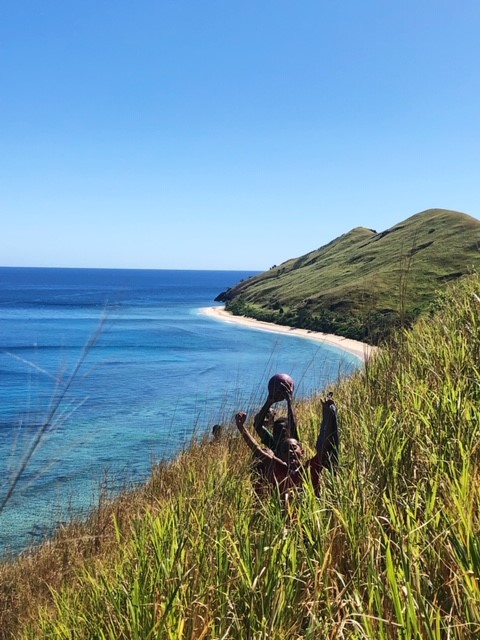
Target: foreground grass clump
point(390, 550)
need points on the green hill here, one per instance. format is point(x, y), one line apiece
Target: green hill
point(364, 283)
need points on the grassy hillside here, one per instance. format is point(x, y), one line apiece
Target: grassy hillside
point(364, 283)
point(390, 550)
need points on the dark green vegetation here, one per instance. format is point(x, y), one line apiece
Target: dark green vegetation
point(364, 284)
point(390, 550)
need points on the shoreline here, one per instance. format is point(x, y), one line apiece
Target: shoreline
point(359, 349)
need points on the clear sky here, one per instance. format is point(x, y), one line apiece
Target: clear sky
point(229, 134)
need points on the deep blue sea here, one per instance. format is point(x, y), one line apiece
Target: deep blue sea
point(159, 372)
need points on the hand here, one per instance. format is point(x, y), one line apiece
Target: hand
point(287, 391)
point(270, 400)
point(240, 418)
point(282, 392)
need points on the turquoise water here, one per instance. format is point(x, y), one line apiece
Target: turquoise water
point(159, 372)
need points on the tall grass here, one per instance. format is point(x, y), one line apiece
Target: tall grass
point(53, 417)
point(391, 549)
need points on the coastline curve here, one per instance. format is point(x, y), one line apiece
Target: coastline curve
point(359, 349)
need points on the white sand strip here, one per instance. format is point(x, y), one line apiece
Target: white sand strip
point(355, 347)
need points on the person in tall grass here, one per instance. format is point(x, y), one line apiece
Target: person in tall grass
point(273, 431)
point(217, 433)
point(285, 467)
point(282, 468)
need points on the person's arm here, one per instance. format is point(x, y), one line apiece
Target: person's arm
point(292, 420)
point(328, 441)
point(259, 419)
point(259, 423)
point(263, 454)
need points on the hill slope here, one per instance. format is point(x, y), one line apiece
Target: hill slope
point(389, 550)
point(364, 283)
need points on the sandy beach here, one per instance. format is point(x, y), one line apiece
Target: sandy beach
point(359, 349)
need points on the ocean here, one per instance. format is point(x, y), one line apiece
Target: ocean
point(158, 373)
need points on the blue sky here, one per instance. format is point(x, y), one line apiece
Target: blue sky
point(229, 135)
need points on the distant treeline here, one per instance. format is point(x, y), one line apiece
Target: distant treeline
point(373, 327)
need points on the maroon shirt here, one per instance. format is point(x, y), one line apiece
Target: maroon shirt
point(279, 475)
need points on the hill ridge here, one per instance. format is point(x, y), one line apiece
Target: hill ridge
point(364, 283)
